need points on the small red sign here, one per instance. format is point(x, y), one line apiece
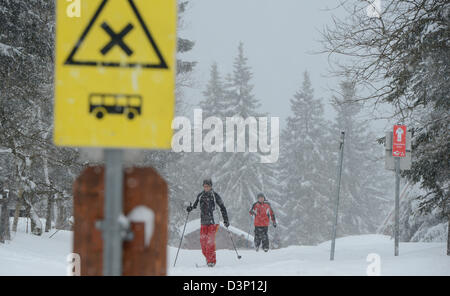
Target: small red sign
point(399, 141)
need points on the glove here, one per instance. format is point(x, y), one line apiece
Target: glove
point(189, 209)
point(226, 223)
point(274, 224)
point(252, 213)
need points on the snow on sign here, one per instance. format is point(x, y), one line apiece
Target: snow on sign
point(399, 141)
point(115, 74)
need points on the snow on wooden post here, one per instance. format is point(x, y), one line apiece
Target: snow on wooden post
point(145, 207)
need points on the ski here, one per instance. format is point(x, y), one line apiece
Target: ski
point(203, 265)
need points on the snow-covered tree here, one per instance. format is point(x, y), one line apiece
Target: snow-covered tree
point(172, 166)
point(35, 170)
point(240, 97)
point(363, 187)
point(237, 176)
point(213, 102)
point(402, 58)
point(415, 225)
point(304, 166)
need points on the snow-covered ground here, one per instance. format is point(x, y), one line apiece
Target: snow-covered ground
point(28, 254)
point(350, 259)
point(31, 255)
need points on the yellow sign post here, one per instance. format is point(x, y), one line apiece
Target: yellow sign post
point(115, 74)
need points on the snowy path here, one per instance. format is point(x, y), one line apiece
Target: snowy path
point(350, 259)
point(31, 255)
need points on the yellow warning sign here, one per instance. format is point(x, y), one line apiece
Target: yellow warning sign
point(115, 74)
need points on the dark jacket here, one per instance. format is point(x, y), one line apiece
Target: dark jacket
point(208, 201)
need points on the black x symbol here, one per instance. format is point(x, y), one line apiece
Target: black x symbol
point(116, 39)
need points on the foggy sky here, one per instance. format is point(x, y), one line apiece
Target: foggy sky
point(280, 37)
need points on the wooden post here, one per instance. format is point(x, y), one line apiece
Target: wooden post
point(142, 187)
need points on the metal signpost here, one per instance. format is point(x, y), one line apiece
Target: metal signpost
point(398, 156)
point(112, 230)
point(398, 151)
point(338, 189)
point(397, 205)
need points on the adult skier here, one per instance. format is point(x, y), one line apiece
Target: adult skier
point(209, 219)
point(262, 212)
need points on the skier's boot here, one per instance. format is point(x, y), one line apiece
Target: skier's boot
point(211, 264)
point(266, 250)
point(257, 249)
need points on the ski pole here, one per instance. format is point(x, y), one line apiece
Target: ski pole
point(58, 230)
point(234, 246)
point(181, 240)
point(249, 229)
point(54, 233)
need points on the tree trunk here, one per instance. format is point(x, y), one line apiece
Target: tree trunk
point(49, 216)
point(60, 214)
point(448, 237)
point(32, 222)
point(7, 226)
point(28, 215)
point(4, 220)
point(35, 222)
point(19, 204)
point(2, 226)
point(32, 225)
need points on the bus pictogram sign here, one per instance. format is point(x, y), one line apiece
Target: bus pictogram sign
point(115, 74)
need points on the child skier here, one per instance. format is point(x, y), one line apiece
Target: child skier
point(262, 210)
point(209, 225)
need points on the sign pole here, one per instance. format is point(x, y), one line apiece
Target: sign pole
point(397, 203)
point(338, 189)
point(398, 151)
point(112, 237)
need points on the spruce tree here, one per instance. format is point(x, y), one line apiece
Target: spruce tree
point(304, 169)
point(239, 176)
point(214, 95)
point(364, 181)
point(169, 164)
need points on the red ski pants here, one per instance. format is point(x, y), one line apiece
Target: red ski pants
point(208, 241)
